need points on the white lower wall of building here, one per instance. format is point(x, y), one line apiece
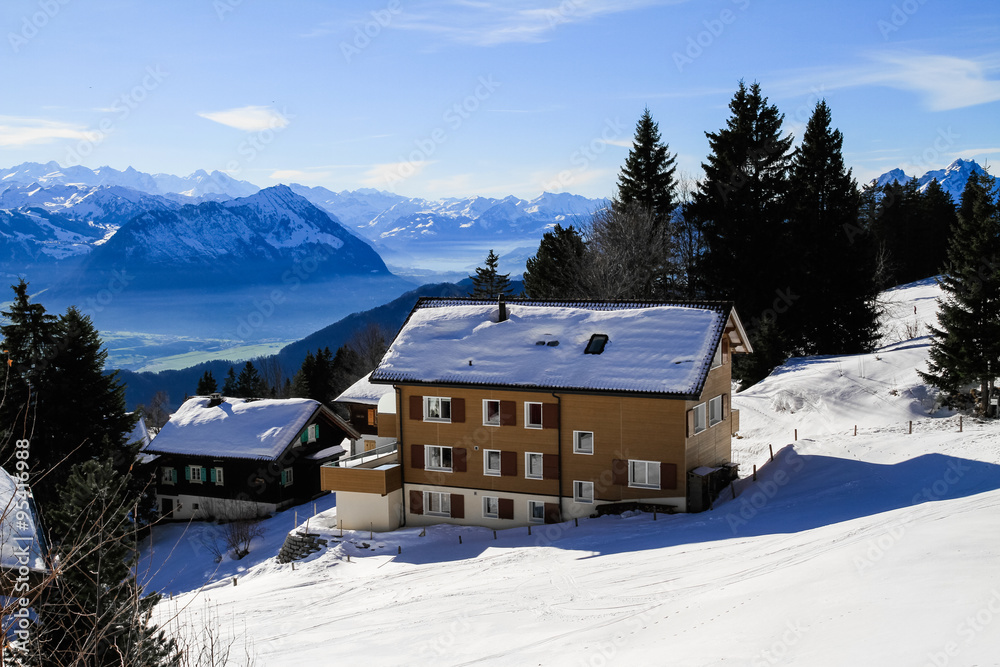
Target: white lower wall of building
point(370, 511)
point(207, 508)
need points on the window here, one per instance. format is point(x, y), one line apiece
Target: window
point(491, 413)
point(311, 434)
point(532, 415)
point(536, 511)
point(195, 474)
point(371, 417)
point(491, 507)
point(437, 458)
point(437, 409)
point(583, 442)
point(717, 359)
point(644, 474)
point(215, 475)
point(596, 344)
point(491, 462)
point(715, 410)
point(438, 504)
point(286, 477)
point(583, 492)
point(533, 465)
point(699, 418)
point(168, 475)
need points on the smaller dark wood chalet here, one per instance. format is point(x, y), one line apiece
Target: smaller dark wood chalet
point(365, 401)
point(231, 458)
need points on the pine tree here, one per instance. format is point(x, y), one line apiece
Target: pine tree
point(206, 385)
point(647, 178)
point(488, 283)
point(929, 239)
point(250, 384)
point(831, 270)
point(96, 615)
point(229, 384)
point(741, 208)
point(557, 269)
point(965, 346)
point(899, 206)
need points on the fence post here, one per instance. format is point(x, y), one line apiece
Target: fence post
point(911, 427)
point(796, 435)
point(771, 449)
point(960, 423)
point(855, 429)
point(755, 472)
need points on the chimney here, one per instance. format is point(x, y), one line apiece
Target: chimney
point(502, 301)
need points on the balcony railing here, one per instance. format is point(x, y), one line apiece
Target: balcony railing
point(361, 458)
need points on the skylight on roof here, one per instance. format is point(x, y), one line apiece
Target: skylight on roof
point(596, 344)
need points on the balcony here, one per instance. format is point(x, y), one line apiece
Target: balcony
point(376, 471)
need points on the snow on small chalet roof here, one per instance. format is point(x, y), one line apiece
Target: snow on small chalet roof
point(20, 540)
point(652, 348)
point(235, 428)
point(364, 391)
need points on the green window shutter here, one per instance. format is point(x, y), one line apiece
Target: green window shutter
point(282, 477)
point(173, 475)
point(211, 474)
point(204, 474)
point(304, 438)
point(187, 473)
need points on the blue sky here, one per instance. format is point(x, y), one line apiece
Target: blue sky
point(439, 98)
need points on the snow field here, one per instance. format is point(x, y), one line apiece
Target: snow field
point(881, 548)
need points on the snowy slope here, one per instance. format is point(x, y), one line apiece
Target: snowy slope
point(875, 549)
point(952, 178)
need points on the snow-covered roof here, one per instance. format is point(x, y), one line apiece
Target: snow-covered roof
point(651, 348)
point(235, 428)
point(364, 391)
point(21, 542)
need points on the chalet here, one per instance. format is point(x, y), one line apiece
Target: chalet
point(507, 414)
point(362, 400)
point(235, 458)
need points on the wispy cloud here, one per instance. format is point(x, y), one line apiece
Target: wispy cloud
point(943, 82)
point(15, 131)
point(249, 118)
point(494, 23)
point(390, 173)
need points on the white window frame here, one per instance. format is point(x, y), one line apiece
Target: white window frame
point(428, 449)
point(527, 465)
point(219, 477)
point(577, 449)
point(715, 411)
point(440, 401)
point(289, 476)
point(634, 481)
point(700, 418)
point(532, 504)
point(486, 420)
point(491, 500)
point(166, 475)
point(583, 492)
point(487, 470)
point(196, 474)
point(527, 414)
point(443, 503)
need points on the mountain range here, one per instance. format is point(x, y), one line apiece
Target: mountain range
point(952, 178)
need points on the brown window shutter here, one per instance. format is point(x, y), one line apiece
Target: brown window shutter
point(550, 466)
point(668, 475)
point(457, 506)
point(725, 406)
point(550, 415)
point(725, 349)
point(508, 464)
point(552, 513)
point(690, 423)
point(417, 407)
point(417, 457)
point(458, 459)
point(416, 502)
point(619, 472)
point(505, 508)
point(508, 413)
point(458, 410)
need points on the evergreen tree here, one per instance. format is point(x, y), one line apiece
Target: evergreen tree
point(937, 215)
point(250, 384)
point(892, 231)
point(647, 178)
point(96, 615)
point(206, 385)
point(965, 345)
point(741, 209)
point(229, 384)
point(347, 368)
point(488, 283)
point(832, 272)
point(557, 269)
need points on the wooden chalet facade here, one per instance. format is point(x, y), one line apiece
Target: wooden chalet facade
point(229, 458)
point(532, 412)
